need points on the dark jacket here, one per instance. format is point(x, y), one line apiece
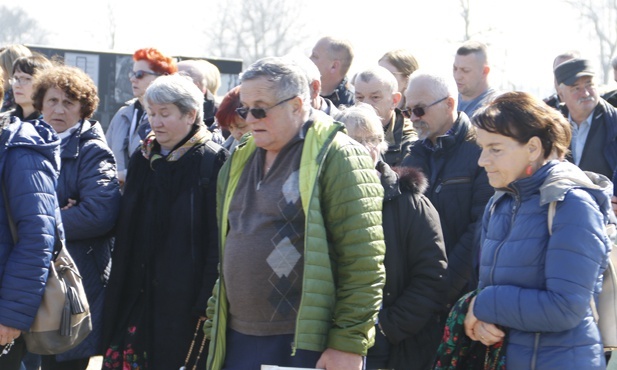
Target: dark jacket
point(343, 94)
point(88, 176)
point(165, 256)
point(210, 106)
point(399, 135)
point(459, 190)
point(416, 283)
point(537, 285)
point(29, 167)
point(604, 115)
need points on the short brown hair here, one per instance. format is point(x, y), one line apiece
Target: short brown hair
point(402, 60)
point(521, 116)
point(74, 82)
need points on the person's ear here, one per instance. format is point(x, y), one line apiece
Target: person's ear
point(336, 65)
point(315, 88)
point(486, 70)
point(191, 117)
point(535, 150)
point(396, 98)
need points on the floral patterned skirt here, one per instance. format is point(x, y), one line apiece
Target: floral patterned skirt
point(128, 349)
point(458, 352)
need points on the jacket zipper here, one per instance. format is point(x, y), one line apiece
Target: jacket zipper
point(514, 211)
point(457, 180)
point(536, 344)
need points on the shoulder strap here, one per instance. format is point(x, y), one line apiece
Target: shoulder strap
point(211, 153)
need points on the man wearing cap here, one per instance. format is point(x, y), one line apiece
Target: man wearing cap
point(593, 120)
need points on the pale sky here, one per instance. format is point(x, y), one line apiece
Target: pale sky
point(525, 35)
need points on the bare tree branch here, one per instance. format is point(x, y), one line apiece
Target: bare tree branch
point(19, 28)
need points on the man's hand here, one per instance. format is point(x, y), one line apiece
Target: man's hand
point(7, 335)
point(332, 359)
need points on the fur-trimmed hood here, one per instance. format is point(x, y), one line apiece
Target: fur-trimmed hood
point(395, 180)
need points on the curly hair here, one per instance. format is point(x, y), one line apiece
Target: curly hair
point(74, 82)
point(158, 62)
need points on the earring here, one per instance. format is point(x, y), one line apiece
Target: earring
point(529, 170)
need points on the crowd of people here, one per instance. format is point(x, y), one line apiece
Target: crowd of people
point(393, 219)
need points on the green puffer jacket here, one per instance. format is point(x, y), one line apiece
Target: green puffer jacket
point(344, 244)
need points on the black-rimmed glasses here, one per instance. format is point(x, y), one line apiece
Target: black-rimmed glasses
point(420, 111)
point(141, 74)
point(259, 113)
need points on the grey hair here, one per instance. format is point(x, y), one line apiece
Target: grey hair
point(290, 80)
point(380, 74)
point(440, 85)
point(180, 91)
point(363, 117)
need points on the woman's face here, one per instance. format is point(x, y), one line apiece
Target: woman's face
point(370, 140)
point(60, 111)
point(22, 88)
point(168, 124)
point(504, 159)
point(239, 127)
point(139, 85)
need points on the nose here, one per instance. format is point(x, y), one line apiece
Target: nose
point(482, 161)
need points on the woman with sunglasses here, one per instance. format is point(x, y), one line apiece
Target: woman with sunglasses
point(25, 70)
point(130, 124)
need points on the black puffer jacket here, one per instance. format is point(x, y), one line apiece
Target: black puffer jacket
point(416, 282)
point(459, 190)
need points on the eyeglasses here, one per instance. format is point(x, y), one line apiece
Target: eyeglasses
point(141, 74)
point(258, 113)
point(20, 80)
point(371, 141)
point(420, 111)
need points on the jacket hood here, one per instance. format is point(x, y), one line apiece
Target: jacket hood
point(564, 176)
point(88, 130)
point(395, 180)
point(36, 135)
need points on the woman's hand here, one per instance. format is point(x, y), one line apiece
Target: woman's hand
point(477, 330)
point(70, 204)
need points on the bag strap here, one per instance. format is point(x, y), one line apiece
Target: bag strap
point(552, 208)
point(57, 241)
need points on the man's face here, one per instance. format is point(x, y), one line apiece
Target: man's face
point(469, 73)
point(322, 59)
point(437, 119)
point(580, 98)
point(377, 94)
point(281, 123)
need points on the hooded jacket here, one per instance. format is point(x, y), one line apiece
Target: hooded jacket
point(88, 175)
point(29, 166)
point(539, 286)
point(416, 278)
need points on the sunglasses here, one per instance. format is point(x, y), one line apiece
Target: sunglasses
point(420, 111)
point(258, 113)
point(141, 74)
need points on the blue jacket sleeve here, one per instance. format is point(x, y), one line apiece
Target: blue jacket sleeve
point(30, 182)
point(576, 253)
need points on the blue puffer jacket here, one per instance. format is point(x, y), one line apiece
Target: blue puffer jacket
point(539, 286)
point(29, 166)
point(88, 176)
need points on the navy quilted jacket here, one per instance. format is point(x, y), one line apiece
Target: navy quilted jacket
point(537, 285)
point(88, 175)
point(29, 165)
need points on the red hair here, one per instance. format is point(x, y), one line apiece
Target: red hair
point(226, 114)
point(157, 61)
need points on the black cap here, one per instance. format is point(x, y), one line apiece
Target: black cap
point(570, 71)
